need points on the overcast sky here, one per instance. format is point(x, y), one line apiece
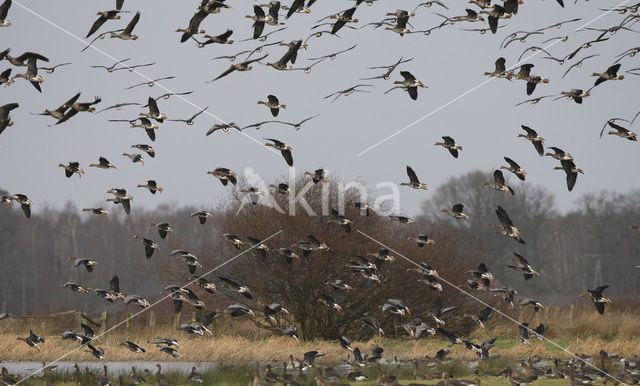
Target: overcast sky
point(449, 61)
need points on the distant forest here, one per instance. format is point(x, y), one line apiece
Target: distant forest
point(589, 246)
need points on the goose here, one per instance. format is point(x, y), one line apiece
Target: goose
point(114, 287)
point(402, 219)
point(223, 38)
point(163, 229)
point(259, 19)
point(25, 203)
point(339, 284)
point(535, 139)
point(75, 287)
point(456, 212)
point(244, 66)
point(559, 154)
point(113, 66)
point(224, 175)
point(106, 295)
point(149, 245)
point(500, 70)
point(482, 274)
point(533, 81)
point(234, 240)
point(344, 18)
point(4, 11)
point(341, 220)
point(97, 353)
point(145, 124)
point(154, 112)
point(259, 246)
point(135, 378)
point(146, 148)
point(238, 309)
point(522, 265)
point(103, 163)
point(437, 312)
point(127, 34)
point(289, 56)
point(506, 228)
point(414, 182)
point(410, 83)
point(125, 202)
point(87, 263)
point(296, 6)
point(194, 26)
point(575, 94)
point(165, 342)
point(202, 216)
point(135, 158)
point(19, 61)
point(241, 289)
point(5, 78)
point(317, 176)
point(494, 14)
point(136, 299)
point(506, 293)
point(579, 64)
point(395, 306)
point(499, 183)
point(208, 286)
point(596, 297)
point(329, 302)
point(530, 302)
point(533, 101)
point(132, 347)
point(152, 185)
point(71, 168)
point(32, 340)
point(422, 240)
point(389, 68)
point(5, 119)
point(484, 315)
point(274, 9)
point(75, 108)
point(514, 168)
point(284, 149)
point(170, 351)
point(471, 16)
point(450, 144)
point(571, 171)
point(150, 83)
point(402, 18)
point(273, 104)
point(194, 376)
point(610, 74)
point(212, 6)
point(273, 309)
point(32, 74)
point(622, 132)
point(103, 16)
point(95, 210)
point(60, 111)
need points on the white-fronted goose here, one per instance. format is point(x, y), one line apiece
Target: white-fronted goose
point(103, 17)
point(87, 263)
point(74, 287)
point(136, 157)
point(289, 56)
point(234, 240)
point(297, 125)
point(238, 309)
point(194, 26)
point(610, 74)
point(202, 216)
point(32, 74)
point(535, 139)
point(4, 11)
point(71, 168)
point(329, 302)
point(410, 83)
point(414, 182)
point(450, 144)
point(163, 228)
point(284, 149)
point(259, 19)
point(32, 340)
point(5, 119)
point(152, 186)
point(224, 175)
point(273, 104)
point(20, 61)
point(75, 108)
point(154, 111)
point(59, 112)
point(596, 297)
point(348, 91)
point(244, 66)
point(522, 265)
point(5, 78)
point(402, 219)
point(422, 240)
point(571, 170)
point(499, 183)
point(146, 148)
point(317, 176)
point(24, 202)
point(514, 168)
point(506, 228)
point(621, 132)
point(456, 212)
point(149, 245)
point(150, 83)
point(241, 289)
point(537, 306)
point(281, 188)
point(127, 34)
point(223, 38)
point(576, 94)
point(341, 220)
point(103, 163)
point(97, 211)
point(253, 193)
point(132, 347)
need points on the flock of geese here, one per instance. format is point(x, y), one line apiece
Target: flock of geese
point(480, 279)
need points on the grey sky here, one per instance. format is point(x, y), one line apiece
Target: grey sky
point(449, 62)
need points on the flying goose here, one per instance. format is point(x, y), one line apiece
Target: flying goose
point(4, 11)
point(5, 119)
point(530, 302)
point(136, 157)
point(71, 168)
point(499, 183)
point(535, 139)
point(348, 91)
point(559, 154)
point(450, 144)
point(241, 289)
point(154, 112)
point(410, 84)
point(437, 311)
point(610, 74)
point(224, 175)
point(75, 287)
point(19, 61)
point(146, 148)
point(150, 83)
point(152, 185)
point(273, 104)
point(5, 77)
point(341, 220)
point(87, 263)
point(621, 132)
point(344, 18)
point(149, 245)
point(238, 309)
point(339, 284)
point(259, 246)
point(95, 210)
point(75, 108)
point(194, 26)
point(506, 293)
point(202, 216)
point(223, 38)
point(126, 34)
point(329, 302)
point(132, 347)
point(32, 74)
point(456, 212)
point(32, 340)
point(59, 112)
point(575, 94)
point(402, 219)
point(244, 66)
point(284, 149)
point(402, 18)
point(297, 125)
point(317, 176)
point(273, 309)
point(500, 70)
point(163, 229)
point(571, 171)
point(103, 163)
point(259, 19)
point(596, 297)
point(281, 188)
point(234, 240)
point(389, 68)
point(289, 56)
point(506, 228)
point(103, 17)
point(24, 202)
point(192, 264)
point(422, 240)
point(514, 168)
point(522, 265)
